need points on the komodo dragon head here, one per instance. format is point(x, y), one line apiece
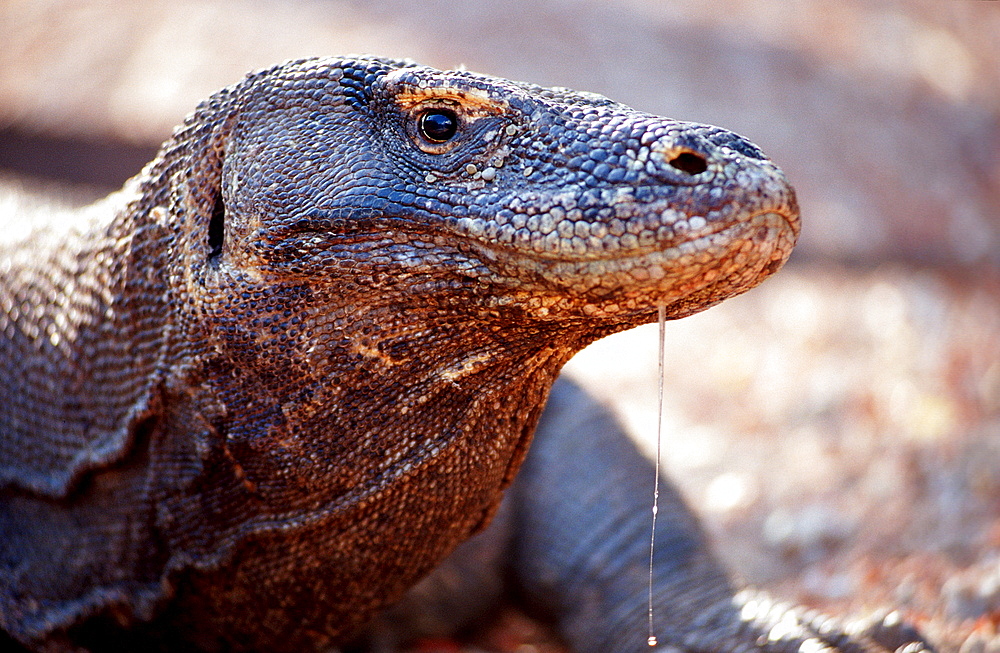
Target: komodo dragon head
point(524, 202)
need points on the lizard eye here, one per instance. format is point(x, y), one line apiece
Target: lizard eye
point(437, 125)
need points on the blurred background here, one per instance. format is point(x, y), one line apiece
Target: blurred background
point(839, 427)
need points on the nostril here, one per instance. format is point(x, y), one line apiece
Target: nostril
point(689, 162)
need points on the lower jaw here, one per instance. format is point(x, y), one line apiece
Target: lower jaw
point(689, 276)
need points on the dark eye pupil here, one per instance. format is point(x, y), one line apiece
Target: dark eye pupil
point(438, 125)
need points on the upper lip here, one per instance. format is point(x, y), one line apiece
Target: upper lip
point(790, 218)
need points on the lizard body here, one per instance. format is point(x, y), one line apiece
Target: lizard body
point(253, 397)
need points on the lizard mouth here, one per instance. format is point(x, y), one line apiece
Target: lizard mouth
point(703, 237)
point(692, 267)
point(724, 260)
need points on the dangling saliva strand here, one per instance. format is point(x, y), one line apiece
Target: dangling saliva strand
point(662, 320)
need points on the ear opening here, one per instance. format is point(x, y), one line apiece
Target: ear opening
point(217, 229)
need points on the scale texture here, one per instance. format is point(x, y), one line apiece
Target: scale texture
point(255, 396)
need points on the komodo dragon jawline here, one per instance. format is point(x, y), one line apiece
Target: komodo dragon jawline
point(250, 399)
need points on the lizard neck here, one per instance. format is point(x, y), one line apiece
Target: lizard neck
point(347, 395)
point(355, 424)
point(85, 332)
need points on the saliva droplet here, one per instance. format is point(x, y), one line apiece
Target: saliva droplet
point(662, 319)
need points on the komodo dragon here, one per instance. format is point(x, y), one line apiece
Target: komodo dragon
point(252, 398)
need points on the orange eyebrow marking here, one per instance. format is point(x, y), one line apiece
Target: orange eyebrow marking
point(473, 102)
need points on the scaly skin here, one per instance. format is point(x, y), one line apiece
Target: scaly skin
point(255, 396)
